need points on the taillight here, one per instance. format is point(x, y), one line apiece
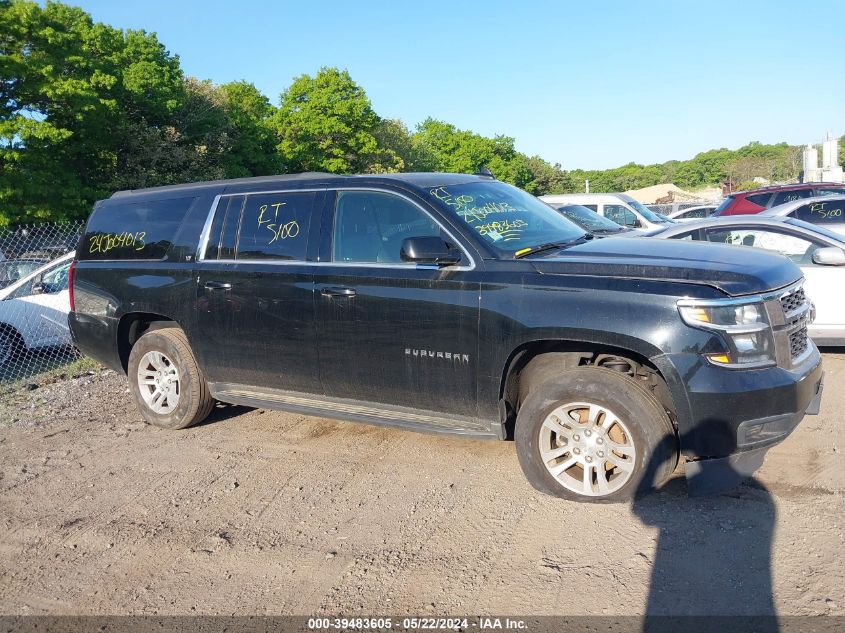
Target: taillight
point(70, 283)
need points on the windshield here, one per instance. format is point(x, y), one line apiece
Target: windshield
point(815, 228)
point(507, 218)
point(589, 220)
point(647, 213)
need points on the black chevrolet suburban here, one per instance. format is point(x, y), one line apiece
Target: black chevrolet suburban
point(450, 303)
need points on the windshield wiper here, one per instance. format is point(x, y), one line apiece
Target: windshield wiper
point(551, 245)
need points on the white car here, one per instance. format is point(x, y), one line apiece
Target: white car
point(826, 211)
point(688, 214)
point(818, 252)
point(34, 310)
point(617, 207)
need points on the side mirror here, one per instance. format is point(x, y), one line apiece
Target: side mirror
point(428, 250)
point(38, 288)
point(829, 256)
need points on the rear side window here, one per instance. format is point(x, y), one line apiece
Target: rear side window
point(825, 212)
point(788, 196)
point(224, 229)
point(134, 230)
point(275, 226)
point(760, 199)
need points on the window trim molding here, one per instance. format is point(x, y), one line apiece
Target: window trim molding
point(205, 235)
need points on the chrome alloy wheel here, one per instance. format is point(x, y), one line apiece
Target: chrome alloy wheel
point(587, 449)
point(158, 382)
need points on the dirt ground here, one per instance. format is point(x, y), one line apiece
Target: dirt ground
point(261, 512)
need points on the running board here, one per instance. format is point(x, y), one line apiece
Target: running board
point(349, 410)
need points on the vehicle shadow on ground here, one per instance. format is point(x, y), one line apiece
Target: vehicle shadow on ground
point(223, 411)
point(712, 557)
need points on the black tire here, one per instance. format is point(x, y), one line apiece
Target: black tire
point(651, 431)
point(194, 399)
point(12, 345)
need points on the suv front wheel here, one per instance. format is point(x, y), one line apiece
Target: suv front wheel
point(593, 434)
point(166, 382)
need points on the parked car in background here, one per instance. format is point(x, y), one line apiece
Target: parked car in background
point(692, 213)
point(818, 252)
point(828, 211)
point(34, 310)
point(757, 200)
point(618, 207)
point(11, 270)
point(592, 221)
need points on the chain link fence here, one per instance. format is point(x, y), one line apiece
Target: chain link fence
point(34, 299)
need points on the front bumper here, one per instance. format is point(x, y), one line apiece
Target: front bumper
point(727, 419)
point(754, 438)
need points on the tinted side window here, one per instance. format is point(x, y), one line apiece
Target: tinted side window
point(695, 213)
point(789, 196)
point(832, 212)
point(620, 215)
point(760, 199)
point(224, 228)
point(833, 190)
point(134, 230)
point(275, 226)
point(591, 207)
point(370, 226)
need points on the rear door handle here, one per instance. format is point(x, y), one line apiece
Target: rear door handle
point(217, 285)
point(338, 292)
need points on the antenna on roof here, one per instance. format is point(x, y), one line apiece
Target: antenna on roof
point(484, 172)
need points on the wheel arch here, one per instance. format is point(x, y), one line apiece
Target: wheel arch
point(529, 358)
point(133, 325)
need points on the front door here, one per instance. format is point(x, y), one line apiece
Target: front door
point(391, 332)
point(255, 306)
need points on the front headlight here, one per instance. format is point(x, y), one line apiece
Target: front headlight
point(745, 329)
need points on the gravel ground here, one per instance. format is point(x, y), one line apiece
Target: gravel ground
point(262, 512)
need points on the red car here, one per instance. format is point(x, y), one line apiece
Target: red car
point(756, 200)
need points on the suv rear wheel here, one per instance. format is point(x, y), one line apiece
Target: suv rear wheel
point(593, 434)
point(166, 382)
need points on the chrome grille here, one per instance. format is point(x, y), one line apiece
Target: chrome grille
point(798, 342)
point(793, 301)
point(796, 313)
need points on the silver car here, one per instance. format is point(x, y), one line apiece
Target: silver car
point(826, 211)
point(819, 253)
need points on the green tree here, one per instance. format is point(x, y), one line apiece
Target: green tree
point(326, 123)
point(69, 91)
point(465, 152)
point(252, 151)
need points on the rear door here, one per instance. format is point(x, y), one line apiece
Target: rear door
point(255, 306)
point(390, 332)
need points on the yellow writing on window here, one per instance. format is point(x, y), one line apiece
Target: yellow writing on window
point(105, 242)
point(278, 231)
point(820, 209)
point(466, 207)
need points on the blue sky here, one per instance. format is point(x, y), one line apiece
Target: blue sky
point(589, 84)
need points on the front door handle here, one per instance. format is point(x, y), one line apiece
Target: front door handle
point(338, 292)
point(217, 285)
